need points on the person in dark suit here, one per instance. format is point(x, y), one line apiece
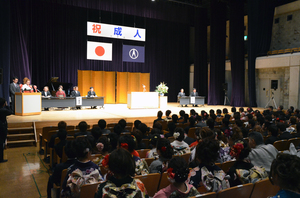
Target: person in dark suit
point(91, 93)
point(180, 94)
point(13, 88)
point(76, 93)
point(194, 93)
point(83, 129)
point(62, 135)
point(4, 112)
point(56, 176)
point(46, 94)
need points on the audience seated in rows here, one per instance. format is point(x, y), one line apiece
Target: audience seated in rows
point(180, 147)
point(62, 135)
point(168, 118)
point(153, 142)
point(60, 125)
point(159, 117)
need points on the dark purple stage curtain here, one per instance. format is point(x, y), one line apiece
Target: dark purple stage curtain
point(4, 48)
point(200, 58)
point(55, 40)
point(162, 10)
point(217, 52)
point(237, 52)
point(260, 22)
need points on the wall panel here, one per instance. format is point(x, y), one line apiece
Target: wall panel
point(145, 80)
point(109, 87)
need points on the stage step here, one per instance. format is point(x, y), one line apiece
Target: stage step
point(21, 134)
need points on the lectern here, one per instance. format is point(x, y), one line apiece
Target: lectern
point(28, 104)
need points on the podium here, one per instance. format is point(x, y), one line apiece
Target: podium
point(142, 100)
point(28, 104)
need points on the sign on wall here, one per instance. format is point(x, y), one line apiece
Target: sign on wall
point(133, 53)
point(115, 31)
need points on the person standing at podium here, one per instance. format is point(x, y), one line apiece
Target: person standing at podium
point(13, 88)
point(26, 87)
point(193, 94)
point(4, 112)
point(92, 93)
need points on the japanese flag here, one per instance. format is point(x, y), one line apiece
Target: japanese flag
point(99, 51)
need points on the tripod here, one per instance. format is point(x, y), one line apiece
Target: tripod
point(226, 99)
point(272, 99)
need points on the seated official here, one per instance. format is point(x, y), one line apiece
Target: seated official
point(194, 93)
point(92, 93)
point(60, 93)
point(181, 94)
point(46, 94)
point(26, 87)
point(75, 92)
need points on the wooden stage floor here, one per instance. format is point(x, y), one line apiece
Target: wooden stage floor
point(111, 113)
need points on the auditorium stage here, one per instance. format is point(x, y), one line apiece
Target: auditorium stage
point(111, 113)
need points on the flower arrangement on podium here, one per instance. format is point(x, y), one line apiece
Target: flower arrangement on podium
point(162, 88)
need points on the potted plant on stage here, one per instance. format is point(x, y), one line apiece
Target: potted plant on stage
point(162, 88)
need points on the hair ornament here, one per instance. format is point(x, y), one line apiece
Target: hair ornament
point(176, 135)
point(133, 137)
point(236, 149)
point(105, 161)
point(171, 175)
point(86, 150)
point(163, 149)
point(124, 145)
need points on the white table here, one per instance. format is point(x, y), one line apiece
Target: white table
point(142, 100)
point(163, 101)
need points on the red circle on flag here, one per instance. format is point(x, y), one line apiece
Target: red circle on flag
point(99, 51)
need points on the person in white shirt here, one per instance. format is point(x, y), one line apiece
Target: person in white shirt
point(179, 146)
point(26, 86)
point(46, 92)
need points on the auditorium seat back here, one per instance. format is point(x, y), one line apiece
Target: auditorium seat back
point(150, 181)
point(263, 189)
point(237, 191)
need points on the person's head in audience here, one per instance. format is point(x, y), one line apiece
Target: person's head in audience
point(233, 109)
point(179, 134)
point(270, 108)
point(143, 128)
point(211, 112)
point(102, 124)
point(220, 136)
point(241, 110)
point(113, 139)
point(293, 120)
point(91, 89)
point(225, 111)
point(210, 123)
point(206, 133)
point(192, 121)
point(213, 116)
point(178, 171)
point(82, 148)
point(157, 125)
point(235, 136)
point(227, 116)
point(118, 129)
point(103, 145)
point(273, 130)
point(83, 126)
point(159, 114)
point(257, 128)
point(255, 139)
point(237, 116)
point(251, 124)
point(62, 134)
point(260, 120)
point(280, 108)
point(240, 150)
point(219, 112)
point(121, 164)
point(186, 118)
point(155, 131)
point(164, 149)
point(136, 123)
point(249, 110)
point(168, 113)
point(174, 118)
point(199, 118)
point(154, 139)
point(92, 142)
point(204, 115)
point(208, 151)
point(281, 126)
point(171, 127)
point(96, 133)
point(292, 109)
point(297, 111)
point(70, 150)
point(122, 123)
point(225, 121)
point(249, 116)
point(239, 123)
point(182, 113)
point(192, 112)
point(46, 88)
point(62, 125)
point(285, 173)
point(127, 142)
point(138, 136)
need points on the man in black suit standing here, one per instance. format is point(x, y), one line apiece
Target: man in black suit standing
point(4, 112)
point(76, 93)
point(194, 93)
point(92, 93)
point(13, 88)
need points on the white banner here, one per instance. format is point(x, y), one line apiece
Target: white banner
point(99, 51)
point(116, 31)
point(78, 101)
